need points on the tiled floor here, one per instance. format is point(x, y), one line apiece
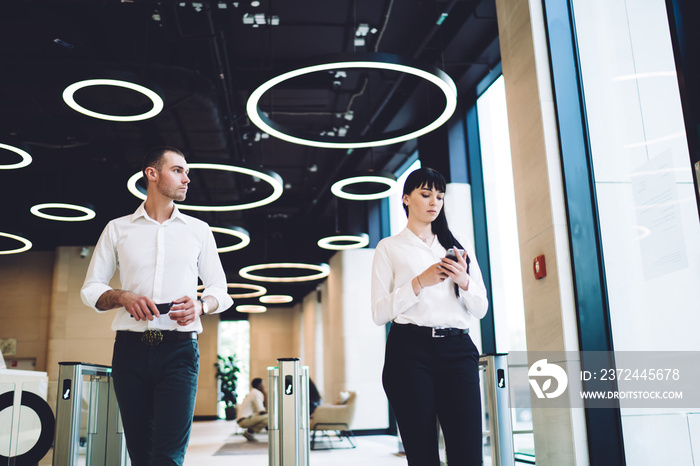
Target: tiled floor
point(208, 436)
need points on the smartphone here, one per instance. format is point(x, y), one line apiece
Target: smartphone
point(163, 308)
point(451, 254)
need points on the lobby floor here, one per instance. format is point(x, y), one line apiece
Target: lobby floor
point(209, 436)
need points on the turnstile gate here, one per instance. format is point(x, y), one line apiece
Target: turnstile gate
point(100, 431)
point(498, 429)
point(288, 419)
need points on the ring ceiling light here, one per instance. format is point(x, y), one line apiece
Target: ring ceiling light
point(323, 270)
point(366, 60)
point(156, 100)
point(257, 290)
point(270, 177)
point(251, 308)
point(26, 242)
point(26, 158)
point(88, 213)
point(340, 242)
point(276, 299)
point(237, 232)
point(389, 181)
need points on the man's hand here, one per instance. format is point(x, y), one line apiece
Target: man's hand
point(185, 310)
point(140, 307)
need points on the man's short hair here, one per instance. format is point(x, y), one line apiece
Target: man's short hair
point(154, 158)
point(256, 382)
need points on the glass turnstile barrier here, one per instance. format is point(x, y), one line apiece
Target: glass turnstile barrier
point(496, 414)
point(88, 425)
point(288, 418)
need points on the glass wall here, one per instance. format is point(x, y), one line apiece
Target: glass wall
point(504, 255)
point(397, 216)
point(648, 216)
point(234, 340)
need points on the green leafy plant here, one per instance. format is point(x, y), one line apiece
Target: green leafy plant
point(227, 372)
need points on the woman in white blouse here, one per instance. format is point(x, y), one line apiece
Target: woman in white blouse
point(431, 366)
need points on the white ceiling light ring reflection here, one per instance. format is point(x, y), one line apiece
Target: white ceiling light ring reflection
point(70, 91)
point(323, 270)
point(355, 241)
point(276, 299)
point(362, 61)
point(26, 157)
point(236, 232)
point(27, 245)
point(251, 308)
point(270, 177)
point(256, 290)
point(88, 213)
point(391, 187)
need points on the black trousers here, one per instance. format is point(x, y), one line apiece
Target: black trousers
point(429, 378)
point(156, 388)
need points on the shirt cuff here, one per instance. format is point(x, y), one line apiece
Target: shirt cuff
point(91, 295)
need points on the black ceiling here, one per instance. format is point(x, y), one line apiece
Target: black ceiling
point(206, 59)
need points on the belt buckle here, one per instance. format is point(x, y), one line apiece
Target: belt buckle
point(152, 337)
point(436, 335)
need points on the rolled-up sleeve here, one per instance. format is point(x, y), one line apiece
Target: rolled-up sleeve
point(387, 301)
point(212, 274)
point(103, 264)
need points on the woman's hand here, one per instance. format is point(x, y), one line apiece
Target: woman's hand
point(457, 271)
point(429, 277)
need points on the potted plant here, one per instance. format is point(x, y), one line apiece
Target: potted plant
point(227, 373)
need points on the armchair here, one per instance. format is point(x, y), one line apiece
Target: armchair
point(333, 421)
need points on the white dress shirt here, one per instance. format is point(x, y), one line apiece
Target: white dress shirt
point(161, 261)
point(253, 403)
point(400, 258)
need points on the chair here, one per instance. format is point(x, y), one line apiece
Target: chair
point(332, 423)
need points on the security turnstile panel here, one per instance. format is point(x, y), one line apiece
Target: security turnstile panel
point(288, 418)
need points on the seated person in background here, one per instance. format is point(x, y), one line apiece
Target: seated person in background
point(252, 415)
point(314, 397)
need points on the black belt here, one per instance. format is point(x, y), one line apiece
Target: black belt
point(433, 332)
point(154, 337)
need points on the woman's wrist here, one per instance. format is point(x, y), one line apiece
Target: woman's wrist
point(417, 285)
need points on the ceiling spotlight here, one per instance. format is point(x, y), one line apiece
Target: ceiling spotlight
point(237, 232)
point(88, 213)
point(379, 61)
point(323, 270)
point(257, 290)
point(340, 242)
point(26, 158)
point(276, 299)
point(255, 3)
point(386, 179)
point(146, 90)
point(26, 244)
point(270, 177)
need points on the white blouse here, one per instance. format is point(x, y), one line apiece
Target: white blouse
point(400, 258)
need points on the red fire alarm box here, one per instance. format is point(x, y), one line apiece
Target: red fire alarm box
point(539, 267)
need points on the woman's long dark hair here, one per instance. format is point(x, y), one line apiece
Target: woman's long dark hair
point(431, 179)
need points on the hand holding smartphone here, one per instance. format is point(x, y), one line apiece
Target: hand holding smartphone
point(163, 308)
point(452, 255)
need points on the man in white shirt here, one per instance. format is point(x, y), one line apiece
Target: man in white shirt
point(160, 254)
point(252, 414)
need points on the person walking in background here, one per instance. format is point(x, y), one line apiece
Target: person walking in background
point(252, 415)
point(431, 366)
point(160, 254)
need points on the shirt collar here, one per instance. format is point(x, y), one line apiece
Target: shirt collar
point(141, 212)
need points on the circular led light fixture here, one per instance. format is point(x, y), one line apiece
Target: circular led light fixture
point(251, 308)
point(26, 158)
point(276, 299)
point(88, 213)
point(257, 290)
point(270, 177)
point(340, 242)
point(156, 99)
point(386, 179)
point(237, 232)
point(323, 270)
point(27, 244)
point(361, 60)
